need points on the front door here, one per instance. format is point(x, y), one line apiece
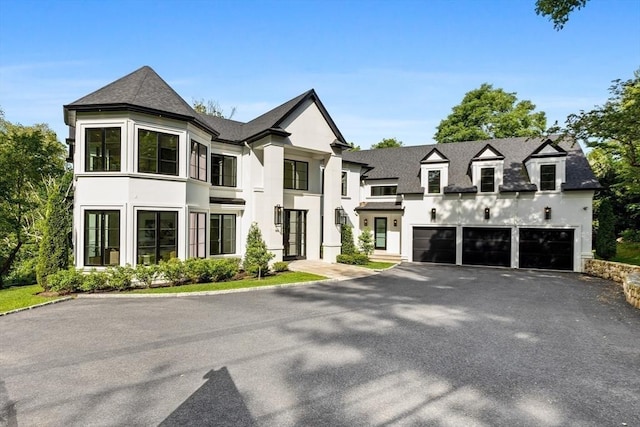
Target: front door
point(294, 234)
point(380, 225)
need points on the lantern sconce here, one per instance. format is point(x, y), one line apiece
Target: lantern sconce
point(395, 222)
point(487, 213)
point(547, 213)
point(433, 214)
point(366, 223)
point(277, 215)
point(340, 216)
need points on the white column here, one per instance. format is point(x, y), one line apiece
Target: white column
point(273, 195)
point(332, 200)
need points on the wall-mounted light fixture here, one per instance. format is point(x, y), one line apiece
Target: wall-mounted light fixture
point(395, 222)
point(487, 213)
point(340, 216)
point(433, 214)
point(547, 213)
point(366, 222)
point(277, 215)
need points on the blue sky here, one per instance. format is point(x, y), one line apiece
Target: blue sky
point(382, 68)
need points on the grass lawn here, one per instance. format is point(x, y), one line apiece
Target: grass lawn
point(279, 279)
point(629, 253)
point(378, 265)
point(21, 296)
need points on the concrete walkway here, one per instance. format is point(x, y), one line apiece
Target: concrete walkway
point(332, 271)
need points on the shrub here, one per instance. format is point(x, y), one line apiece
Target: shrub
point(257, 257)
point(606, 237)
point(173, 271)
point(280, 266)
point(223, 268)
point(631, 236)
point(365, 240)
point(65, 281)
point(94, 281)
point(346, 235)
point(353, 259)
point(120, 278)
point(197, 270)
point(145, 274)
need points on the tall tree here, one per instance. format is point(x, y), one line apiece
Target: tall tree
point(558, 11)
point(488, 113)
point(387, 143)
point(353, 146)
point(211, 108)
point(28, 155)
point(606, 236)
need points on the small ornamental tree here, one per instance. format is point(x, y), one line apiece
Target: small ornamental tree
point(348, 246)
point(53, 253)
point(365, 240)
point(606, 237)
point(257, 257)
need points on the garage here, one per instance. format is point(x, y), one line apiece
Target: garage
point(434, 244)
point(486, 246)
point(546, 248)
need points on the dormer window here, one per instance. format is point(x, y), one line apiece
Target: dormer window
point(434, 172)
point(547, 177)
point(487, 180)
point(433, 182)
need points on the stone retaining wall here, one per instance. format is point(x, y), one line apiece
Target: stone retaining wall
point(625, 274)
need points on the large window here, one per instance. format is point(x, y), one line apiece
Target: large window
point(197, 235)
point(223, 170)
point(344, 183)
point(433, 184)
point(383, 190)
point(157, 152)
point(198, 161)
point(102, 149)
point(157, 236)
point(101, 238)
point(296, 175)
point(223, 234)
point(487, 181)
point(547, 177)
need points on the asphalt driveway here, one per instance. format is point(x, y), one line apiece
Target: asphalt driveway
point(415, 345)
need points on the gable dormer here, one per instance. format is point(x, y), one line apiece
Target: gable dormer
point(487, 170)
point(434, 172)
point(546, 166)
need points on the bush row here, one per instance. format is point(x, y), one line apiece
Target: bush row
point(119, 278)
point(353, 259)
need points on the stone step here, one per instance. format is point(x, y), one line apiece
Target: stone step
point(385, 257)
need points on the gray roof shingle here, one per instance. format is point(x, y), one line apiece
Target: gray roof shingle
point(403, 163)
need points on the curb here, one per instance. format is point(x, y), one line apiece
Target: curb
point(31, 307)
point(202, 293)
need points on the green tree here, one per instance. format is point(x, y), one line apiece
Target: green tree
point(365, 241)
point(387, 143)
point(348, 246)
point(488, 113)
point(256, 257)
point(606, 236)
point(558, 11)
point(353, 147)
point(28, 155)
point(54, 245)
point(211, 108)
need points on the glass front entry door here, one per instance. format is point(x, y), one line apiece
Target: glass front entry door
point(294, 234)
point(380, 233)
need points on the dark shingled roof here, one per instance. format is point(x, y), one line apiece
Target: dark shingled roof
point(142, 90)
point(380, 206)
point(403, 163)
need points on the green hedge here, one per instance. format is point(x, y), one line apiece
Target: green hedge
point(353, 259)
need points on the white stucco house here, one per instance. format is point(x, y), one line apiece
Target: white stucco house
point(154, 179)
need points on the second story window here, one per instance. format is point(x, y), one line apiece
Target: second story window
point(547, 177)
point(102, 150)
point(487, 180)
point(344, 184)
point(198, 161)
point(223, 170)
point(157, 152)
point(433, 184)
point(384, 190)
point(296, 175)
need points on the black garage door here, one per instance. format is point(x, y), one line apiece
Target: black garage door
point(486, 246)
point(434, 244)
point(544, 248)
